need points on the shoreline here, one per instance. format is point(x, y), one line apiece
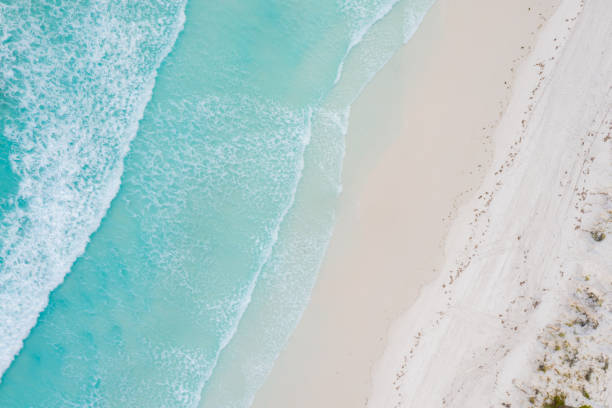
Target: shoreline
point(452, 77)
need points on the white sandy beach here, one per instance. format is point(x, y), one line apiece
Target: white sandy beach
point(482, 332)
point(522, 310)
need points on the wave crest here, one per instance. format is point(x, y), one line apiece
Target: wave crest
point(75, 81)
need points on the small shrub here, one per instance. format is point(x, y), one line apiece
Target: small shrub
point(598, 235)
point(557, 401)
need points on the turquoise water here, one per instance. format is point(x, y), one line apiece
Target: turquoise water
point(168, 173)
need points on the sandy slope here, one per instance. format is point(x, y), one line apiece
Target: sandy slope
point(523, 308)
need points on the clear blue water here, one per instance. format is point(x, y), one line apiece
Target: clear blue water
point(168, 173)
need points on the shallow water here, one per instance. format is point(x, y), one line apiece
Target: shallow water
point(223, 178)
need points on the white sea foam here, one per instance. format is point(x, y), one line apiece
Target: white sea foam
point(74, 108)
point(360, 14)
point(287, 273)
point(244, 152)
point(412, 20)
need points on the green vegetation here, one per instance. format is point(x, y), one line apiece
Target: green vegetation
point(557, 401)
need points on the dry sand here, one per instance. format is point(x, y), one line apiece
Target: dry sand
point(418, 145)
point(522, 310)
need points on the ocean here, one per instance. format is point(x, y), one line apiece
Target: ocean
point(168, 177)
